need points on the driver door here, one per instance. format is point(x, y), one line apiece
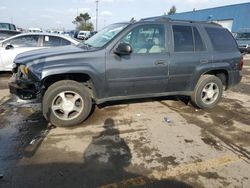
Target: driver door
point(145, 70)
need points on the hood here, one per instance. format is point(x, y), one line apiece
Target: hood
point(27, 57)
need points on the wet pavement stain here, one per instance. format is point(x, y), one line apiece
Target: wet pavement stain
point(210, 141)
point(211, 175)
point(99, 115)
point(167, 161)
point(242, 88)
point(222, 126)
point(18, 128)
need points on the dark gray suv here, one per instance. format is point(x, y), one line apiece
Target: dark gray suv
point(145, 59)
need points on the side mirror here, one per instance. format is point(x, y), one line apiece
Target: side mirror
point(123, 49)
point(9, 46)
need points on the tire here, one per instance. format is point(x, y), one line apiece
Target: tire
point(208, 92)
point(66, 103)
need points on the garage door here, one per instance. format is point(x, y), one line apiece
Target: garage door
point(225, 23)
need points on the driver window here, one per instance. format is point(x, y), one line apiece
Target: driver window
point(146, 39)
point(24, 41)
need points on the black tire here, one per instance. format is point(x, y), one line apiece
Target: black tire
point(198, 98)
point(66, 86)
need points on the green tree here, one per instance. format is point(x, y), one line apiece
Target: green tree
point(82, 22)
point(172, 10)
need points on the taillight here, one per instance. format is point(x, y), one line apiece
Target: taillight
point(241, 63)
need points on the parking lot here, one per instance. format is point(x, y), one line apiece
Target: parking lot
point(147, 143)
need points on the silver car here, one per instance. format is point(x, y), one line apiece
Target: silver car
point(243, 40)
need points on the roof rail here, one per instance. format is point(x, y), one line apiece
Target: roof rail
point(160, 18)
point(165, 18)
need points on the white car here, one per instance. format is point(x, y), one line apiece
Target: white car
point(83, 35)
point(11, 47)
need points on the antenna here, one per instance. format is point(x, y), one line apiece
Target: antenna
point(97, 2)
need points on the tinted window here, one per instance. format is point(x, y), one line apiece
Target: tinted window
point(4, 26)
point(242, 36)
point(24, 41)
point(199, 45)
point(183, 38)
point(12, 27)
point(50, 41)
point(221, 39)
point(147, 39)
point(65, 42)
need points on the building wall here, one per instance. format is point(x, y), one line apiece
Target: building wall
point(240, 14)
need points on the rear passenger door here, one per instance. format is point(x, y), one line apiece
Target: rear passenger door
point(188, 52)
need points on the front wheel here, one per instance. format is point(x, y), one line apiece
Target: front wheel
point(66, 103)
point(208, 92)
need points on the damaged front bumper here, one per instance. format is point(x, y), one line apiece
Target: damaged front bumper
point(23, 88)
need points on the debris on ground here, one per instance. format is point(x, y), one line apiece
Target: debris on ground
point(41, 136)
point(60, 173)
point(32, 120)
point(138, 115)
point(188, 141)
point(50, 126)
point(32, 142)
point(167, 120)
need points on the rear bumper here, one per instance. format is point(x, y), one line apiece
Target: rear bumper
point(23, 88)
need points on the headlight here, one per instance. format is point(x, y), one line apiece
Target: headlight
point(24, 69)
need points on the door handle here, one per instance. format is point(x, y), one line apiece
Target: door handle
point(203, 61)
point(160, 62)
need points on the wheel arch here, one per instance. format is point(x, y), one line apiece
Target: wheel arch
point(221, 73)
point(84, 78)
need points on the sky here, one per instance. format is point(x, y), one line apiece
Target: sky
point(59, 14)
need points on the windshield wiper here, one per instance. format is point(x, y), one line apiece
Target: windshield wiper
point(85, 45)
point(88, 45)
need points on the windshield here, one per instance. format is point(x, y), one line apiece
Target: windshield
point(105, 35)
point(243, 36)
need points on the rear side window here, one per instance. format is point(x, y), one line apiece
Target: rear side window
point(221, 39)
point(52, 41)
point(183, 38)
point(187, 39)
point(65, 42)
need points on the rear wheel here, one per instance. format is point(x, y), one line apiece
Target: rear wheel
point(67, 103)
point(208, 92)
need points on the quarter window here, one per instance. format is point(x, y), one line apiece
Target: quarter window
point(221, 39)
point(147, 39)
